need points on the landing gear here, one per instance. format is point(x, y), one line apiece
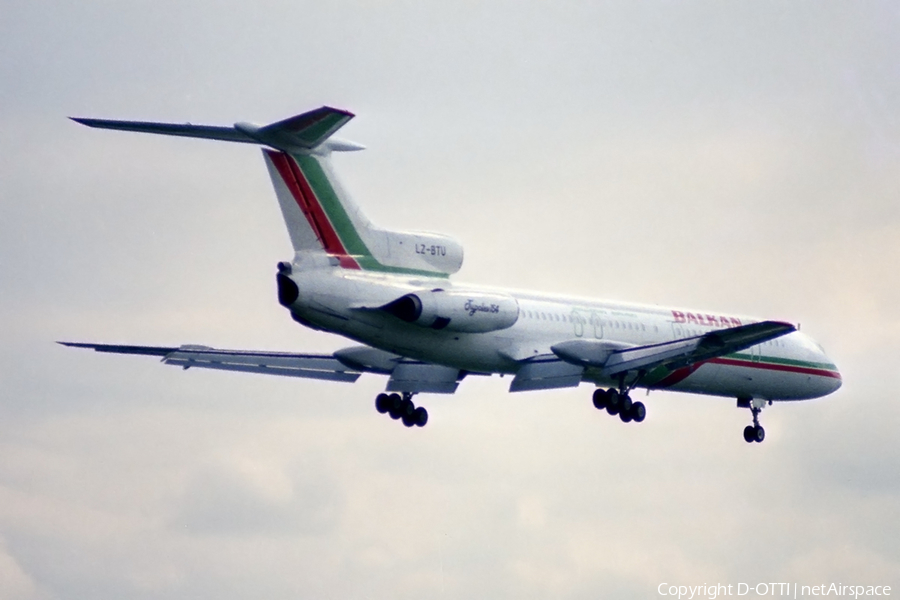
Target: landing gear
point(402, 407)
point(619, 403)
point(755, 432)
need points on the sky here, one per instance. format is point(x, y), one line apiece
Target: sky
point(739, 157)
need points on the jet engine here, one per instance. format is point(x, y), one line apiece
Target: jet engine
point(466, 312)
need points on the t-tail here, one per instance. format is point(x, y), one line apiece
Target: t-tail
point(325, 225)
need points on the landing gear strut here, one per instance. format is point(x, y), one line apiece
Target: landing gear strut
point(755, 432)
point(402, 408)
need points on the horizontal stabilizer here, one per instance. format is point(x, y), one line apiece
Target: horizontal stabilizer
point(302, 132)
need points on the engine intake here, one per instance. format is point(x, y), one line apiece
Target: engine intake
point(461, 311)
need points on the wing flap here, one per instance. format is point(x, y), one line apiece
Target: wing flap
point(423, 377)
point(546, 372)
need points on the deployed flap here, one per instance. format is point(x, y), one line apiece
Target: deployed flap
point(366, 358)
point(588, 353)
point(310, 366)
point(546, 372)
point(688, 351)
point(302, 132)
point(424, 377)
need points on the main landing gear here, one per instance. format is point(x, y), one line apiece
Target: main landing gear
point(619, 403)
point(755, 432)
point(402, 408)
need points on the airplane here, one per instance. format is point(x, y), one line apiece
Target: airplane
point(392, 293)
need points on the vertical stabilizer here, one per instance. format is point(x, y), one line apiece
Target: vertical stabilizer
point(321, 218)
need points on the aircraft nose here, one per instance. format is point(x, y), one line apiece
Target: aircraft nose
point(833, 380)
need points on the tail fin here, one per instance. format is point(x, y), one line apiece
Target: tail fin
point(320, 216)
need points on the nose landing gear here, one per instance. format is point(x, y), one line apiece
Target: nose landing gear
point(402, 408)
point(755, 432)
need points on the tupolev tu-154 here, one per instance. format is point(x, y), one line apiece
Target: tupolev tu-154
point(391, 293)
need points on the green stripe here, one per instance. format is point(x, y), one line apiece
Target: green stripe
point(332, 206)
point(343, 225)
point(775, 360)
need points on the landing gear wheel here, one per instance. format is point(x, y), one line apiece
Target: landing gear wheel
point(407, 408)
point(759, 434)
point(638, 412)
point(626, 403)
point(409, 420)
point(749, 434)
point(382, 403)
point(755, 432)
point(601, 398)
point(626, 416)
point(394, 402)
point(613, 402)
point(420, 416)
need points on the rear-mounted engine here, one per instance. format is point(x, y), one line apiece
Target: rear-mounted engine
point(456, 310)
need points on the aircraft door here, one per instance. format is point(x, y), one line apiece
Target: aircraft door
point(597, 325)
point(577, 323)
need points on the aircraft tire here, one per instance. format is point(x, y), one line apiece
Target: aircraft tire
point(601, 397)
point(625, 403)
point(382, 403)
point(749, 433)
point(638, 412)
point(407, 408)
point(626, 415)
point(394, 403)
point(409, 420)
point(421, 416)
point(613, 402)
point(759, 434)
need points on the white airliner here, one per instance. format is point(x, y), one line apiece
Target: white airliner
point(390, 291)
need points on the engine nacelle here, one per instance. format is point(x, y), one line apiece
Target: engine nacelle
point(461, 311)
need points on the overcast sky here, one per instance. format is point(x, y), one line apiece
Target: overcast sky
point(739, 157)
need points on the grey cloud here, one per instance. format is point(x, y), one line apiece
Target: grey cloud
point(244, 499)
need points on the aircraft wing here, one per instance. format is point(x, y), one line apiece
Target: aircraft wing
point(310, 366)
point(347, 364)
point(672, 355)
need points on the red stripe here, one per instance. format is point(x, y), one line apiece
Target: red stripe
point(306, 199)
point(677, 376)
point(775, 367)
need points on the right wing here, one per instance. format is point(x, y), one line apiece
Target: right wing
point(347, 364)
point(310, 366)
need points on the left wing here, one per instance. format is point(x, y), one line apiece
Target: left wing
point(672, 355)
